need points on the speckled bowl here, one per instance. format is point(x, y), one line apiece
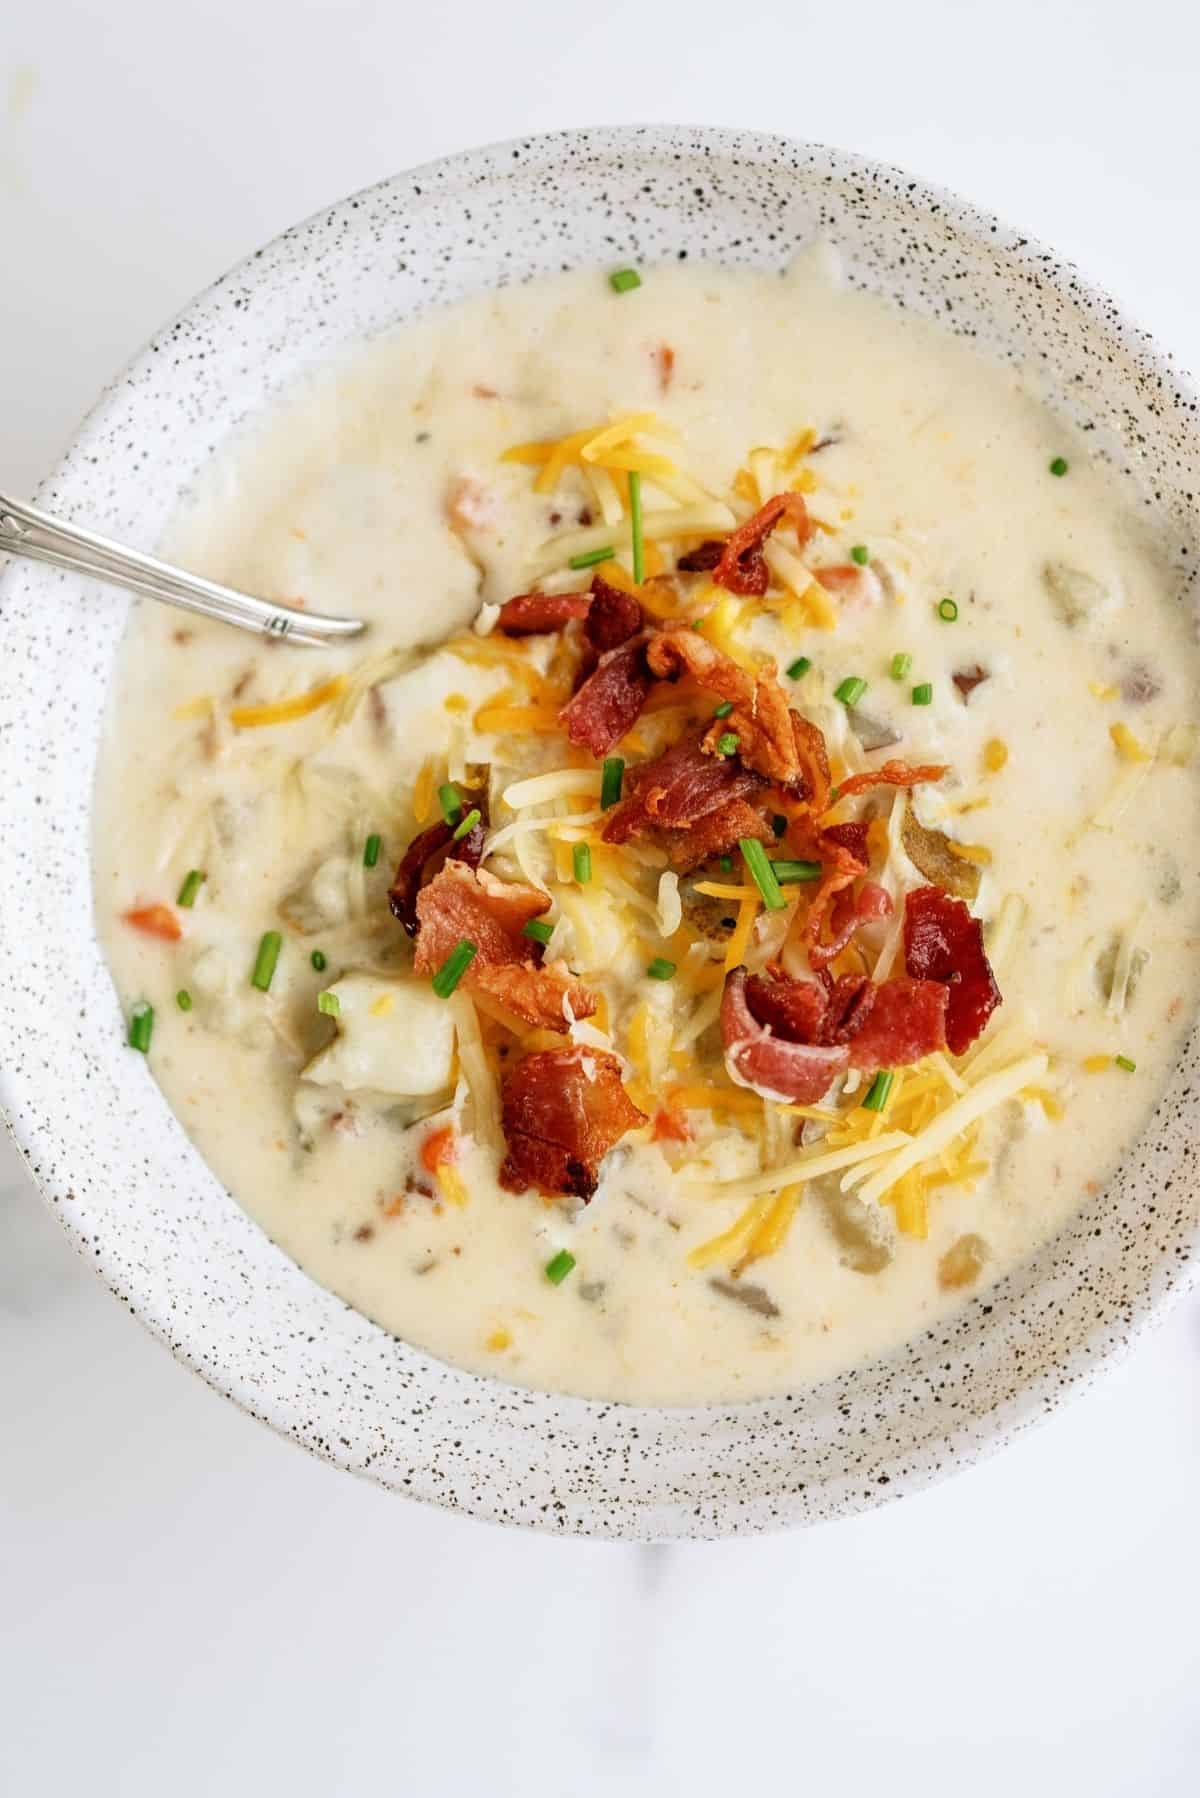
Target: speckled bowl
point(127, 1184)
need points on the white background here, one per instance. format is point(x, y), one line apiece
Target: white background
point(189, 1606)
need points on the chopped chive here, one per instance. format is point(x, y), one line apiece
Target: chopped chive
point(559, 1266)
point(860, 554)
point(266, 959)
point(948, 610)
point(724, 709)
point(901, 666)
point(727, 742)
point(851, 690)
point(183, 999)
point(1123, 1061)
point(660, 968)
point(581, 862)
point(762, 873)
point(467, 826)
point(635, 526)
point(878, 1090)
point(800, 666)
point(450, 800)
point(191, 886)
point(538, 929)
point(623, 280)
point(590, 557)
point(453, 969)
point(371, 848)
point(330, 1004)
point(141, 1026)
point(318, 960)
point(788, 872)
point(725, 863)
point(923, 695)
point(1059, 465)
point(779, 825)
point(611, 776)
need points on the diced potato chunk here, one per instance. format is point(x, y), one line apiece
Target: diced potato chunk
point(963, 1262)
point(394, 1036)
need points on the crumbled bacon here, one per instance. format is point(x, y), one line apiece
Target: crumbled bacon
point(761, 719)
point(465, 904)
point(891, 774)
point(664, 363)
point(562, 1111)
point(528, 614)
point(967, 679)
point(906, 1022)
point(610, 701)
point(715, 834)
point(154, 920)
point(742, 567)
point(679, 793)
point(406, 882)
point(943, 942)
point(890, 1025)
point(852, 584)
point(851, 836)
point(796, 1073)
point(703, 559)
point(613, 616)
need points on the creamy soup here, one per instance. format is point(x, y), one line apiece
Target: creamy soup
point(683, 1079)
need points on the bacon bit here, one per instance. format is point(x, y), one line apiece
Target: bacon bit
point(155, 920)
point(439, 1148)
point(610, 701)
point(469, 904)
point(967, 679)
point(852, 836)
point(613, 616)
point(670, 1125)
point(529, 614)
point(664, 363)
point(742, 568)
point(794, 1073)
point(852, 584)
point(406, 882)
point(690, 801)
point(943, 942)
point(906, 1022)
point(892, 774)
point(483, 392)
point(889, 1025)
point(562, 1111)
point(768, 740)
point(703, 559)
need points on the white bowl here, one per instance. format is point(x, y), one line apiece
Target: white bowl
point(112, 1159)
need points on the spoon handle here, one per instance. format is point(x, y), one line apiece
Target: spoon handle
point(27, 531)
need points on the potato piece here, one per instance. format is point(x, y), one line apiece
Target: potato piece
point(863, 1232)
point(394, 1036)
point(930, 851)
point(1078, 598)
point(963, 1262)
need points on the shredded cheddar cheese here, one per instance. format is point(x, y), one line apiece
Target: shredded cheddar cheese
point(284, 711)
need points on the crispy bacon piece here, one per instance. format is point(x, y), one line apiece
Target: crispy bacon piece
point(851, 583)
point(943, 942)
point(793, 1009)
point(610, 700)
point(562, 1111)
point(154, 920)
point(742, 567)
point(613, 616)
point(678, 791)
point(814, 764)
point(528, 614)
point(406, 882)
point(761, 719)
point(891, 774)
point(851, 836)
point(906, 1022)
point(719, 832)
point(703, 559)
point(463, 904)
point(886, 1026)
point(967, 679)
point(795, 1073)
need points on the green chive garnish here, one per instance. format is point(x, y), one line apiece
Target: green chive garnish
point(724, 710)
point(540, 931)
point(800, 666)
point(851, 690)
point(191, 886)
point(860, 554)
point(581, 862)
point(611, 776)
point(590, 557)
point(762, 873)
point(450, 801)
point(878, 1091)
point(559, 1266)
point(725, 863)
point(948, 610)
point(623, 280)
point(635, 526)
point(660, 968)
point(788, 872)
point(318, 961)
point(923, 695)
point(371, 849)
point(330, 1004)
point(141, 1026)
point(1059, 465)
point(727, 742)
point(265, 961)
point(779, 825)
point(467, 826)
point(453, 969)
point(901, 666)
point(1129, 1066)
point(183, 999)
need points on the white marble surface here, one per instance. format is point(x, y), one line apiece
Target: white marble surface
point(188, 1605)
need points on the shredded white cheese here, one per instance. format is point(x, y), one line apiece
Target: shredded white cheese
point(996, 1090)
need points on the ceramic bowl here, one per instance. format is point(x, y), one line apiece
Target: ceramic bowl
point(111, 1158)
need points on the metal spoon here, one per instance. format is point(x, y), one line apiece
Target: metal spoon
point(26, 531)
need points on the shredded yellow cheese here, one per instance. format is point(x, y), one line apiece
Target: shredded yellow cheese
point(1127, 745)
point(451, 1183)
point(995, 754)
point(284, 711)
point(731, 1243)
point(735, 951)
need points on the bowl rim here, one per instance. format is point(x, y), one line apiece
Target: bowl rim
point(970, 1440)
